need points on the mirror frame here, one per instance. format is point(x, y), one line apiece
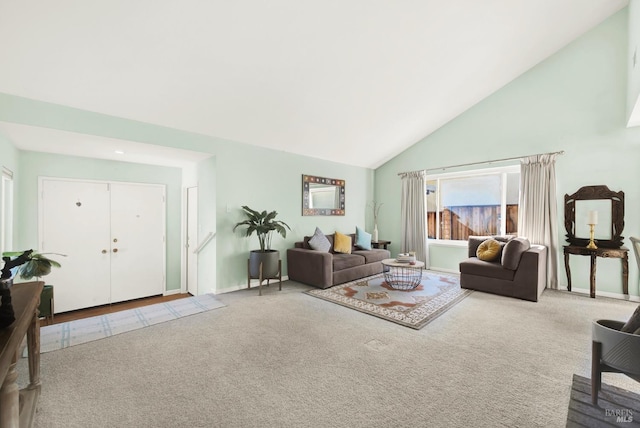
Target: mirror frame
point(307, 180)
point(617, 215)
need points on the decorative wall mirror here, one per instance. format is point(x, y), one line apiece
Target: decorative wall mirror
point(610, 208)
point(322, 196)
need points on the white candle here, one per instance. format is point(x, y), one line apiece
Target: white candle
point(592, 217)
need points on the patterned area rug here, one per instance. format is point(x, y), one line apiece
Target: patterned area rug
point(63, 335)
point(436, 293)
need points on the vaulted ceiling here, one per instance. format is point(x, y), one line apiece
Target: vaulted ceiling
point(357, 81)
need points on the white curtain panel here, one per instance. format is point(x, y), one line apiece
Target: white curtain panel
point(414, 215)
point(538, 211)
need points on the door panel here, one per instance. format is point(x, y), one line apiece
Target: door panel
point(137, 241)
point(75, 222)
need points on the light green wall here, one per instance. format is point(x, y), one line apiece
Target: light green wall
point(270, 180)
point(574, 101)
point(633, 49)
point(239, 175)
point(34, 165)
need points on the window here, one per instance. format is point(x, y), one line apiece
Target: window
point(482, 202)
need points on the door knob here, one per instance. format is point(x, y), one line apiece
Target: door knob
point(115, 250)
point(104, 251)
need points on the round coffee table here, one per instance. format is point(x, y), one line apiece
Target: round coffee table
point(402, 276)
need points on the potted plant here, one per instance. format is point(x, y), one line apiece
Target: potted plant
point(263, 224)
point(29, 265)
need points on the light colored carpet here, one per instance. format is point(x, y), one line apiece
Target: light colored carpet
point(413, 308)
point(286, 359)
point(63, 335)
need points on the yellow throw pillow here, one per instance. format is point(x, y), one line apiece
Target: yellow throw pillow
point(341, 243)
point(488, 250)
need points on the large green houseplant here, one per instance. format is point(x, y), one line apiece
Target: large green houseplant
point(263, 224)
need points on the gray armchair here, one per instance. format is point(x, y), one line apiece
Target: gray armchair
point(613, 351)
point(520, 271)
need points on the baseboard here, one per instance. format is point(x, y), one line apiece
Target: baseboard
point(437, 269)
point(617, 296)
point(243, 286)
point(170, 292)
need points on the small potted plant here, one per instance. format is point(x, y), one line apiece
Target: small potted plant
point(263, 224)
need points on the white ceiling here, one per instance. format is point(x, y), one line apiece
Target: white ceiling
point(356, 81)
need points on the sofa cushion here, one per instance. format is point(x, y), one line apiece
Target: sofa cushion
point(344, 261)
point(489, 250)
point(341, 243)
point(372, 256)
point(512, 252)
point(363, 239)
point(475, 266)
point(319, 242)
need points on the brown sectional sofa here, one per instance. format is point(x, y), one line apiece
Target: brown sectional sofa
point(525, 281)
point(324, 270)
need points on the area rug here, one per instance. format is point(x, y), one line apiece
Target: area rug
point(415, 308)
point(63, 335)
point(616, 406)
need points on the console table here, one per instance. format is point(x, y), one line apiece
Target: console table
point(619, 253)
point(18, 407)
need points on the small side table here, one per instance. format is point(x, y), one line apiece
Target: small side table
point(402, 276)
point(380, 244)
point(618, 253)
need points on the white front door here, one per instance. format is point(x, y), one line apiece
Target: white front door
point(192, 240)
point(75, 222)
point(113, 236)
point(137, 241)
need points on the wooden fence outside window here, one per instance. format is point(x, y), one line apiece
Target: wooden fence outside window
point(458, 223)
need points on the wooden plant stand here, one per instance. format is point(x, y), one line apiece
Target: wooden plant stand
point(261, 278)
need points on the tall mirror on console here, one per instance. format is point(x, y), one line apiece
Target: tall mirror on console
point(606, 209)
point(322, 196)
point(594, 220)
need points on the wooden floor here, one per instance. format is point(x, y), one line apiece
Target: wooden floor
point(107, 309)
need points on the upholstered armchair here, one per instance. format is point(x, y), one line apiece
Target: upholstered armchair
point(613, 350)
point(518, 269)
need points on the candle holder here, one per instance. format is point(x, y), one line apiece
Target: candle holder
point(592, 244)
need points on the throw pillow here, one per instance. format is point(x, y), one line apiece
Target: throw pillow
point(513, 251)
point(319, 242)
point(363, 239)
point(475, 241)
point(488, 250)
point(341, 243)
point(633, 324)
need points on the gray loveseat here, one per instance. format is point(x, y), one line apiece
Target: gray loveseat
point(325, 269)
point(521, 273)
